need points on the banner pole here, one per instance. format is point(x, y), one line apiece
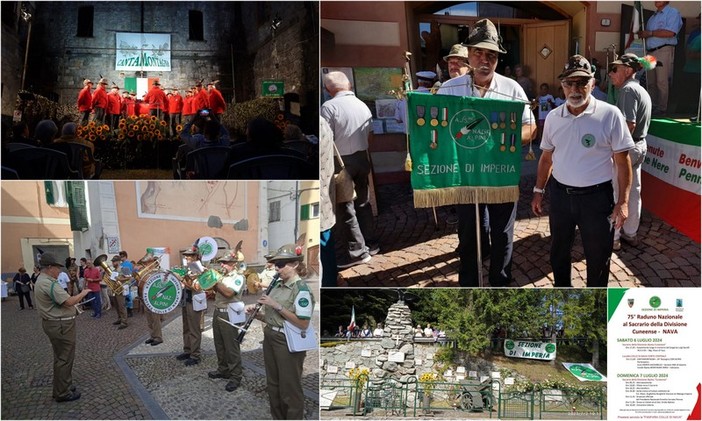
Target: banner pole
point(477, 239)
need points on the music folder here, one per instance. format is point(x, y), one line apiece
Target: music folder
point(299, 341)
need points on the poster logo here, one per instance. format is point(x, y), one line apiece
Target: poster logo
point(630, 301)
point(655, 301)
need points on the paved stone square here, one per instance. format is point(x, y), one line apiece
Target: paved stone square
point(120, 377)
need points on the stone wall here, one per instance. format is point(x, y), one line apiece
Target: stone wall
point(237, 38)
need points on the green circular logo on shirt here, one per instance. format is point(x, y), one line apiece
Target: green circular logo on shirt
point(588, 140)
point(237, 282)
point(550, 348)
point(509, 345)
point(303, 302)
point(655, 302)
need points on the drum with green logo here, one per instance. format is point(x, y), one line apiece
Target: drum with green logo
point(162, 292)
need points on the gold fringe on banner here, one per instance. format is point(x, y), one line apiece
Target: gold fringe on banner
point(463, 195)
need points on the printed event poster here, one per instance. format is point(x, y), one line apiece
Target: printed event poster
point(143, 52)
point(654, 364)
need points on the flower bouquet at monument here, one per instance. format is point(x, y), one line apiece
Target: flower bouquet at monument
point(428, 381)
point(359, 377)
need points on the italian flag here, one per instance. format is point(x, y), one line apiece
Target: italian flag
point(140, 85)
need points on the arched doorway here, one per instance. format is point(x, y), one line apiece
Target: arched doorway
point(535, 34)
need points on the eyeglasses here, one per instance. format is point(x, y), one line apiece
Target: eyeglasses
point(582, 83)
point(280, 265)
point(613, 69)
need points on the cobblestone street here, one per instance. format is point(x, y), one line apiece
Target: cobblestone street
point(120, 377)
point(417, 252)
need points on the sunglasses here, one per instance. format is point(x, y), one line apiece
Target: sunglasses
point(575, 83)
point(280, 265)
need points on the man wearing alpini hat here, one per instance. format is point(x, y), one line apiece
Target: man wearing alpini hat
point(457, 60)
point(100, 101)
point(581, 140)
point(497, 225)
point(192, 334)
point(228, 301)
point(635, 103)
point(58, 315)
point(85, 102)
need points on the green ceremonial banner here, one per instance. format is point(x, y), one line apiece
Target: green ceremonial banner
point(530, 349)
point(464, 150)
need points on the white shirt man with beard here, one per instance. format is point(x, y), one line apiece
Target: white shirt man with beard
point(583, 140)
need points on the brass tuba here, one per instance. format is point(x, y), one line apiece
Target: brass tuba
point(116, 286)
point(150, 265)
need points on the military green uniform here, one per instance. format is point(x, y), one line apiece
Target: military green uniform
point(226, 345)
point(59, 324)
point(154, 320)
point(284, 368)
point(192, 335)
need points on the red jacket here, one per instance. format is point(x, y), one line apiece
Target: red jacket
point(143, 108)
point(85, 99)
point(156, 98)
point(114, 102)
point(188, 105)
point(175, 104)
point(100, 97)
point(217, 104)
point(200, 101)
point(128, 106)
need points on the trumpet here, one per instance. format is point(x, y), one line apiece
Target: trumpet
point(117, 285)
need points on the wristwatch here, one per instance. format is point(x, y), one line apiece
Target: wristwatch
point(538, 190)
point(280, 308)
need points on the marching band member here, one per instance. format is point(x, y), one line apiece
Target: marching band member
point(192, 335)
point(153, 319)
point(121, 274)
point(58, 314)
point(228, 303)
point(291, 300)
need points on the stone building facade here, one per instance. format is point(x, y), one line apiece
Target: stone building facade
point(233, 42)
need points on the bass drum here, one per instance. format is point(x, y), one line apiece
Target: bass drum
point(162, 292)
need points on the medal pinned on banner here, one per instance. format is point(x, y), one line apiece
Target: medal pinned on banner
point(434, 111)
point(420, 115)
point(434, 137)
point(444, 117)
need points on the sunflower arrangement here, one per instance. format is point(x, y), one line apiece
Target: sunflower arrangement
point(428, 381)
point(94, 132)
point(142, 128)
point(359, 376)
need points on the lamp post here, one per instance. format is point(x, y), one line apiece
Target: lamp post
point(27, 17)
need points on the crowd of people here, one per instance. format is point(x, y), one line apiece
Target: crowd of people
point(62, 288)
point(168, 105)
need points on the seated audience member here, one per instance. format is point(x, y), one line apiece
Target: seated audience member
point(208, 132)
point(68, 135)
point(45, 132)
point(262, 138)
point(20, 134)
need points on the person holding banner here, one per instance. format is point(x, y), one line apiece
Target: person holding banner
point(483, 49)
point(228, 303)
point(635, 103)
point(581, 140)
point(291, 300)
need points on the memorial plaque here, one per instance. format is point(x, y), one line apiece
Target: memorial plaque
point(366, 353)
point(448, 373)
point(430, 356)
point(495, 374)
point(417, 361)
point(332, 369)
point(509, 381)
point(461, 370)
point(483, 378)
point(350, 364)
point(473, 374)
point(396, 357)
point(460, 377)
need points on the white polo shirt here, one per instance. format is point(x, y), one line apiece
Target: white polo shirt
point(501, 87)
point(583, 146)
point(350, 120)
